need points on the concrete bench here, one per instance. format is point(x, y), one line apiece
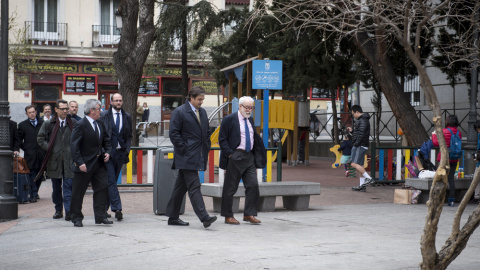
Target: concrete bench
point(461, 187)
point(296, 195)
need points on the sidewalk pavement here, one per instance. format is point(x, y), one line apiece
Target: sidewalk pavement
point(342, 230)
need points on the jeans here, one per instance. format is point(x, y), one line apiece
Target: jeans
point(58, 199)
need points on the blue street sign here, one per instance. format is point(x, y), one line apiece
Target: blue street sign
point(267, 74)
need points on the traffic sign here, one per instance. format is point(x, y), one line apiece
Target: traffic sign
point(267, 74)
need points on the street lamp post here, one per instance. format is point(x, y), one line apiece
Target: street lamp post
point(471, 145)
point(8, 203)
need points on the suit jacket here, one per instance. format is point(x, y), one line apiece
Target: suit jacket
point(229, 140)
point(27, 134)
point(106, 117)
point(14, 139)
point(85, 146)
point(60, 153)
point(191, 141)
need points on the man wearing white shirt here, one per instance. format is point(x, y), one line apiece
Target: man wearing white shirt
point(118, 124)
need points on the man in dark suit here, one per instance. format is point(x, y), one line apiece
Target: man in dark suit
point(191, 141)
point(34, 154)
point(90, 148)
point(242, 153)
point(73, 109)
point(119, 127)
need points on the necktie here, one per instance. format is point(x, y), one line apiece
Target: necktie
point(117, 122)
point(198, 116)
point(96, 129)
point(33, 123)
point(61, 125)
point(247, 137)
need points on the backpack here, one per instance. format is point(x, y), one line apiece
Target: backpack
point(455, 149)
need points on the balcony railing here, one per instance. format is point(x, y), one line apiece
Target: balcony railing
point(105, 36)
point(46, 33)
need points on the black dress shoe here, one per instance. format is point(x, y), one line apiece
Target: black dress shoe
point(33, 200)
point(108, 215)
point(78, 223)
point(67, 216)
point(209, 221)
point(177, 221)
point(57, 215)
point(119, 215)
point(105, 221)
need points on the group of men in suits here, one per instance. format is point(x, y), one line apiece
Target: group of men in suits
point(76, 152)
point(242, 152)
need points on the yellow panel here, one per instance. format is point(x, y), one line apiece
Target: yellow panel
point(130, 168)
point(269, 166)
point(282, 114)
point(214, 136)
point(170, 156)
point(407, 158)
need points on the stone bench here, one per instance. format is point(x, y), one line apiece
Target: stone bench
point(296, 195)
point(461, 187)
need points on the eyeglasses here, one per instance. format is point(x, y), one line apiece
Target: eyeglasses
point(63, 109)
point(249, 107)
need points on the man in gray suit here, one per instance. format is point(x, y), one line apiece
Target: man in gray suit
point(191, 141)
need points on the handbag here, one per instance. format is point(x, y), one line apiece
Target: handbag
point(20, 166)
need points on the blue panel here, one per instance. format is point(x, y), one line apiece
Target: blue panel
point(239, 72)
point(234, 105)
point(258, 113)
point(201, 175)
point(119, 180)
point(381, 164)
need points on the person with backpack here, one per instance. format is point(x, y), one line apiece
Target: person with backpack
point(453, 139)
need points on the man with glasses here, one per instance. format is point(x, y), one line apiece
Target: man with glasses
point(119, 127)
point(54, 137)
point(90, 148)
point(242, 153)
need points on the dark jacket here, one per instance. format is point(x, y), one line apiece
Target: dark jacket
point(60, 153)
point(85, 146)
point(361, 131)
point(191, 142)
point(76, 117)
point(346, 148)
point(27, 134)
point(146, 115)
point(125, 135)
point(14, 139)
point(229, 140)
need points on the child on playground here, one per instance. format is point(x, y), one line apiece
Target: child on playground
point(346, 148)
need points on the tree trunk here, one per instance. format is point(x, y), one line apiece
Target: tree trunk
point(384, 74)
point(334, 117)
point(133, 50)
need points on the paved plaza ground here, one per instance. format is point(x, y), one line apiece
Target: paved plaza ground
point(341, 230)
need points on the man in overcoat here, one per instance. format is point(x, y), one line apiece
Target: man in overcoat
point(54, 137)
point(191, 142)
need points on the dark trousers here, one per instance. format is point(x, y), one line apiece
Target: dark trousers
point(114, 166)
point(98, 176)
point(187, 180)
point(62, 197)
point(34, 186)
point(451, 180)
point(241, 165)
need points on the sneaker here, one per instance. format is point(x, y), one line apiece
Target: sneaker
point(346, 173)
point(368, 181)
point(359, 188)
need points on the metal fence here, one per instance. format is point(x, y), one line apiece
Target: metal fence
point(388, 124)
point(105, 36)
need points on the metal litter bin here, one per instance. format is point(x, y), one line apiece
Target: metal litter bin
point(164, 181)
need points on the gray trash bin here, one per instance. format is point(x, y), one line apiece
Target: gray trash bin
point(164, 181)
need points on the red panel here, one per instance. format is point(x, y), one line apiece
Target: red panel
point(390, 164)
point(211, 166)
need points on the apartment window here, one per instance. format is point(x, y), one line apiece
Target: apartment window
point(107, 17)
point(45, 16)
point(412, 91)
